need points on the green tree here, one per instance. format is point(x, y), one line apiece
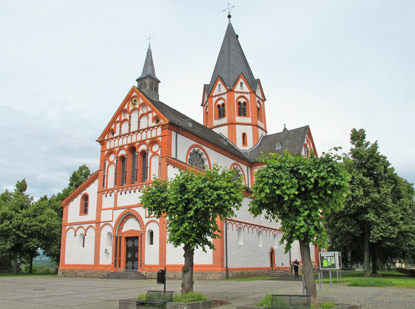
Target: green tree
point(379, 210)
point(13, 236)
point(193, 203)
point(300, 192)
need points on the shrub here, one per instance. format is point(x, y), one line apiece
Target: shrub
point(188, 297)
point(266, 301)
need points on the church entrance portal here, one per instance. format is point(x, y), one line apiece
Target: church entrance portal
point(131, 254)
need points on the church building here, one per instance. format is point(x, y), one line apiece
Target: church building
point(105, 229)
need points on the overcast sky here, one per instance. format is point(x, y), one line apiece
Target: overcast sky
point(65, 66)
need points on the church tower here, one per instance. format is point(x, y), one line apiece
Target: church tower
point(234, 102)
point(148, 82)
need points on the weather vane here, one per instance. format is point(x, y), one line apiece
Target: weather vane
point(229, 8)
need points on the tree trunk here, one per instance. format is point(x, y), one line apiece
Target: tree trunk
point(310, 284)
point(187, 270)
point(31, 264)
point(366, 252)
point(374, 259)
point(14, 265)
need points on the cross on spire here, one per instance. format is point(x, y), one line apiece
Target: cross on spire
point(149, 38)
point(229, 8)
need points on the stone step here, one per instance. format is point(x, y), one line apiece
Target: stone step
point(129, 275)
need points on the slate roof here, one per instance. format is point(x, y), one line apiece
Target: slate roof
point(186, 123)
point(231, 62)
point(148, 68)
point(293, 140)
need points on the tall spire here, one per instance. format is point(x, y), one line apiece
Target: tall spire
point(148, 82)
point(231, 62)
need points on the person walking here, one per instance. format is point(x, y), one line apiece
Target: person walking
point(295, 265)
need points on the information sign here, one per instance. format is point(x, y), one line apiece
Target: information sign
point(330, 260)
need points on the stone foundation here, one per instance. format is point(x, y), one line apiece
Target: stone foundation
point(211, 275)
point(170, 275)
point(83, 273)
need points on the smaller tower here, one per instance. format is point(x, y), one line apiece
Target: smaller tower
point(148, 82)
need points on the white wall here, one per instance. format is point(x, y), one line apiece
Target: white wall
point(75, 206)
point(106, 245)
point(152, 251)
point(74, 252)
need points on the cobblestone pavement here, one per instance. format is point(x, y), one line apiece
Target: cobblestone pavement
point(57, 292)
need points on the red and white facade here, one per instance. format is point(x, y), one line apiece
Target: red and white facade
point(105, 229)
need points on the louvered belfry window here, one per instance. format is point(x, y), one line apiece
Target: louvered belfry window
point(221, 111)
point(241, 109)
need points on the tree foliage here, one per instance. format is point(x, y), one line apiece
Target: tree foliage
point(193, 203)
point(299, 192)
point(27, 225)
point(380, 209)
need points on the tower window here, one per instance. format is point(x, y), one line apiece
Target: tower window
point(244, 143)
point(241, 84)
point(221, 110)
point(241, 108)
point(219, 87)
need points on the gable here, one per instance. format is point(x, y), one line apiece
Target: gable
point(219, 87)
point(241, 85)
point(135, 113)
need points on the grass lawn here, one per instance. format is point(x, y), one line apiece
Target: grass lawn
point(386, 279)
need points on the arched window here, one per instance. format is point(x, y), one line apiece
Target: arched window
point(240, 236)
point(150, 237)
point(123, 170)
point(109, 239)
point(221, 110)
point(84, 205)
point(82, 240)
point(259, 112)
point(134, 167)
point(197, 159)
point(259, 239)
point(275, 240)
point(144, 166)
point(241, 108)
point(244, 143)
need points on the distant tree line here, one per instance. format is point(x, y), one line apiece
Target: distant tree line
point(27, 225)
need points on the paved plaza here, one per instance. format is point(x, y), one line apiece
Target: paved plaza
point(58, 292)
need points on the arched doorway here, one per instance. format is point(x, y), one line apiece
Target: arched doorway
point(272, 258)
point(128, 242)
